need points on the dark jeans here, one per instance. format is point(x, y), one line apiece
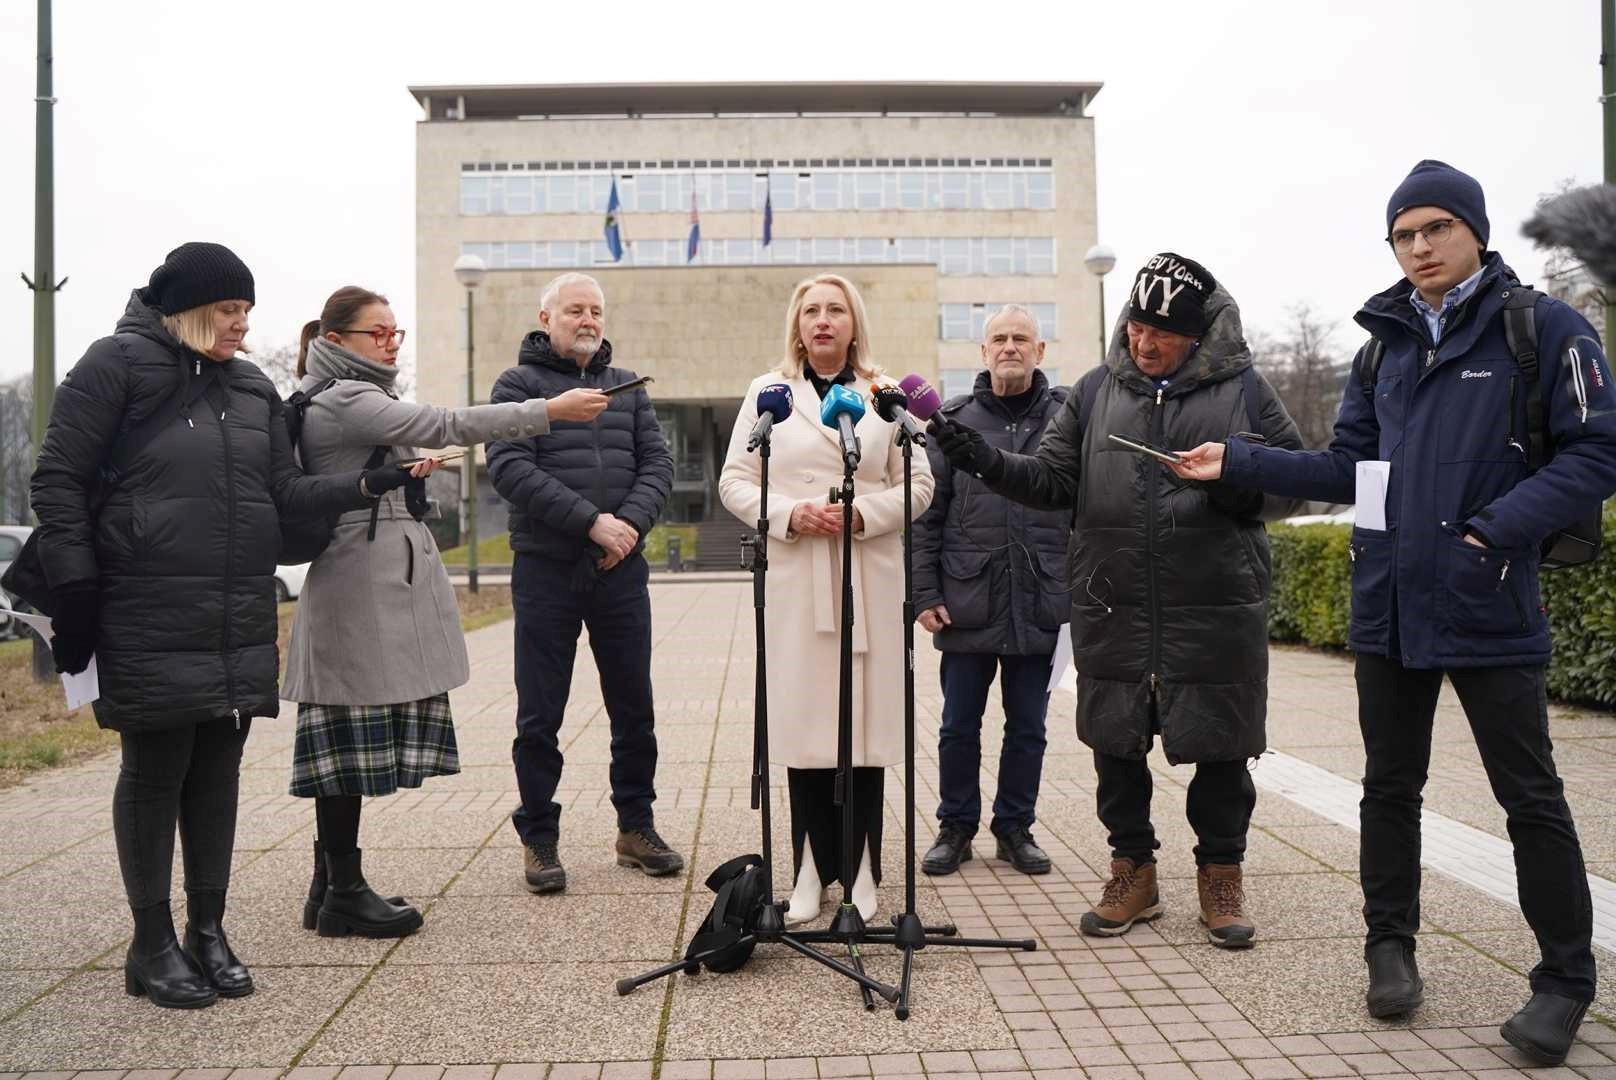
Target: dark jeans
point(549, 616)
point(1509, 717)
point(189, 776)
point(1219, 805)
point(966, 678)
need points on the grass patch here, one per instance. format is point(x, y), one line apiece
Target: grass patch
point(491, 551)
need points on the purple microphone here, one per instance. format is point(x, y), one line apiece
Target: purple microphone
point(923, 400)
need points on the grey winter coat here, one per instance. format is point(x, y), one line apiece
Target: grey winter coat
point(1169, 578)
point(998, 566)
point(377, 623)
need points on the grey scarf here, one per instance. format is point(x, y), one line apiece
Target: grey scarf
point(328, 360)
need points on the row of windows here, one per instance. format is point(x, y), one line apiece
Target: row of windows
point(757, 163)
point(983, 255)
point(829, 189)
point(956, 381)
point(967, 322)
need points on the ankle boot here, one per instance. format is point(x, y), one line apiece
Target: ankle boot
point(206, 944)
point(157, 967)
point(1545, 1027)
point(1395, 986)
point(865, 897)
point(311, 906)
point(808, 894)
point(352, 907)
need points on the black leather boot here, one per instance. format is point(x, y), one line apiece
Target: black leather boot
point(352, 907)
point(952, 848)
point(206, 944)
point(157, 967)
point(311, 906)
point(1545, 1027)
point(1395, 986)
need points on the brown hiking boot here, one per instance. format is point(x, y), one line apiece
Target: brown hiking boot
point(1129, 896)
point(541, 868)
point(648, 851)
point(1223, 907)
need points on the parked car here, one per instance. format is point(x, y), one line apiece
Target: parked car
point(12, 538)
point(289, 581)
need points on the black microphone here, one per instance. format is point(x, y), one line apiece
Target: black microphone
point(774, 406)
point(891, 404)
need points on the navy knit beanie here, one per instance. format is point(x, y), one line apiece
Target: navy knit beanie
point(1436, 183)
point(195, 274)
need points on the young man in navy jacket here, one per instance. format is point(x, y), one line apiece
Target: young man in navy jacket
point(1450, 584)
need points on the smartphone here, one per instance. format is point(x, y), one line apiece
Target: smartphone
point(445, 458)
point(1145, 448)
point(632, 384)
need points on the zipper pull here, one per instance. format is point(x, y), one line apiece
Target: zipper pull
point(1158, 395)
point(1430, 357)
point(1502, 574)
point(1352, 554)
point(1152, 684)
point(188, 423)
point(199, 367)
point(237, 714)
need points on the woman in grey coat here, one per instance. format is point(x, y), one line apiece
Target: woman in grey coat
point(376, 644)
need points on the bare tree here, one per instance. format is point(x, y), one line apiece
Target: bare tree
point(1307, 369)
point(16, 449)
point(279, 362)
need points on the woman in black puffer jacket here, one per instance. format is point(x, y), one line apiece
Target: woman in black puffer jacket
point(160, 483)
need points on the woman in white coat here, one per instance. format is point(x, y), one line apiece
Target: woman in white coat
point(828, 343)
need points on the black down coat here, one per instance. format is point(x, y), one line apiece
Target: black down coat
point(184, 548)
point(557, 484)
point(1169, 578)
point(999, 566)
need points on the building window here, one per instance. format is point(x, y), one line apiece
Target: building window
point(968, 322)
point(981, 256)
point(956, 381)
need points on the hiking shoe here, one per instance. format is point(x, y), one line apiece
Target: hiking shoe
point(1223, 906)
point(1128, 897)
point(542, 867)
point(952, 848)
point(645, 849)
point(1018, 848)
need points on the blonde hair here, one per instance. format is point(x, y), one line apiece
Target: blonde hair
point(859, 353)
point(552, 290)
point(193, 328)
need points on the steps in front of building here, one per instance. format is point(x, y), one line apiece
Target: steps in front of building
point(718, 544)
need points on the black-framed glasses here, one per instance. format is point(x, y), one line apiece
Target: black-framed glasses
point(381, 335)
point(1435, 232)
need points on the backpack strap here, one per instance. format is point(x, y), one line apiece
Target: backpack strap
point(377, 456)
point(1088, 388)
point(1520, 331)
point(1366, 365)
point(1248, 391)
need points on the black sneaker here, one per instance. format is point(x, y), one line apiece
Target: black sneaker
point(542, 867)
point(1018, 848)
point(952, 848)
point(645, 849)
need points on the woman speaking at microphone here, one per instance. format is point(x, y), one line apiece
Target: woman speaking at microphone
point(827, 343)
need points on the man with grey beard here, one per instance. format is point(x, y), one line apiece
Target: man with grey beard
point(581, 501)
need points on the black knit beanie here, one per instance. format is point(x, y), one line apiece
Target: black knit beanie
point(195, 274)
point(1170, 293)
point(1436, 183)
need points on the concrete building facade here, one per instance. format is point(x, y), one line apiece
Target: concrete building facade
point(940, 201)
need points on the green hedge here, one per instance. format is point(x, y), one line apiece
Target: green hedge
point(1312, 593)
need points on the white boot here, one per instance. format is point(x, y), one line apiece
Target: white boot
point(806, 896)
point(864, 896)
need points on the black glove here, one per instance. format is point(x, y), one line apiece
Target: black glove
point(379, 481)
point(965, 449)
point(415, 499)
point(78, 612)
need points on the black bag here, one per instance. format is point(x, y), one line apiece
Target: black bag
point(1577, 543)
point(726, 932)
point(303, 539)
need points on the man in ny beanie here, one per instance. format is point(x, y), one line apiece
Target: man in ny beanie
point(1155, 565)
point(1448, 582)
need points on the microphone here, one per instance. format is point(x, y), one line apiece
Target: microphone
point(774, 406)
point(891, 405)
point(923, 400)
point(1583, 220)
point(842, 409)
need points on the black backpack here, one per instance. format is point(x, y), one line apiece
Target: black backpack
point(725, 934)
point(303, 539)
point(1578, 543)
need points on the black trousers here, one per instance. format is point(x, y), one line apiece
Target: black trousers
point(550, 613)
point(816, 821)
point(1509, 716)
point(188, 776)
point(1219, 805)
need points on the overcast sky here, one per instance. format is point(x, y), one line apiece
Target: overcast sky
point(1259, 137)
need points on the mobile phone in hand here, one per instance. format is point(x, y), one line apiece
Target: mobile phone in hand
point(623, 388)
point(1145, 448)
point(442, 458)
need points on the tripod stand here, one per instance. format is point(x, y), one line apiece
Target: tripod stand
point(768, 923)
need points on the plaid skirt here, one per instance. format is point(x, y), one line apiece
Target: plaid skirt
point(372, 749)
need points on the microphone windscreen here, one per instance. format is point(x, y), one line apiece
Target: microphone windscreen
point(775, 398)
point(886, 397)
point(923, 400)
point(1583, 220)
point(839, 401)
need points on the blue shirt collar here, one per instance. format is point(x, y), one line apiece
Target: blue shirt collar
point(1436, 320)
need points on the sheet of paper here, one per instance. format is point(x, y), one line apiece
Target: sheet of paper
point(1373, 477)
point(81, 689)
point(39, 624)
point(1062, 659)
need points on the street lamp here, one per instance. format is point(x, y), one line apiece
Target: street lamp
point(469, 270)
point(1101, 260)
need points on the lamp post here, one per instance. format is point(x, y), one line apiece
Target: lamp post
point(1101, 260)
point(469, 270)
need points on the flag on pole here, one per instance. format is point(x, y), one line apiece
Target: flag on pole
point(614, 233)
point(768, 218)
point(693, 245)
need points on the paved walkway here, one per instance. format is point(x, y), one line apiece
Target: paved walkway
point(502, 981)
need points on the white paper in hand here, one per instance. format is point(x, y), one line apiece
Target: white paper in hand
point(81, 689)
point(1062, 658)
point(1373, 477)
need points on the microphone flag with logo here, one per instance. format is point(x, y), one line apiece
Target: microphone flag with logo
point(773, 406)
point(892, 405)
point(842, 409)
